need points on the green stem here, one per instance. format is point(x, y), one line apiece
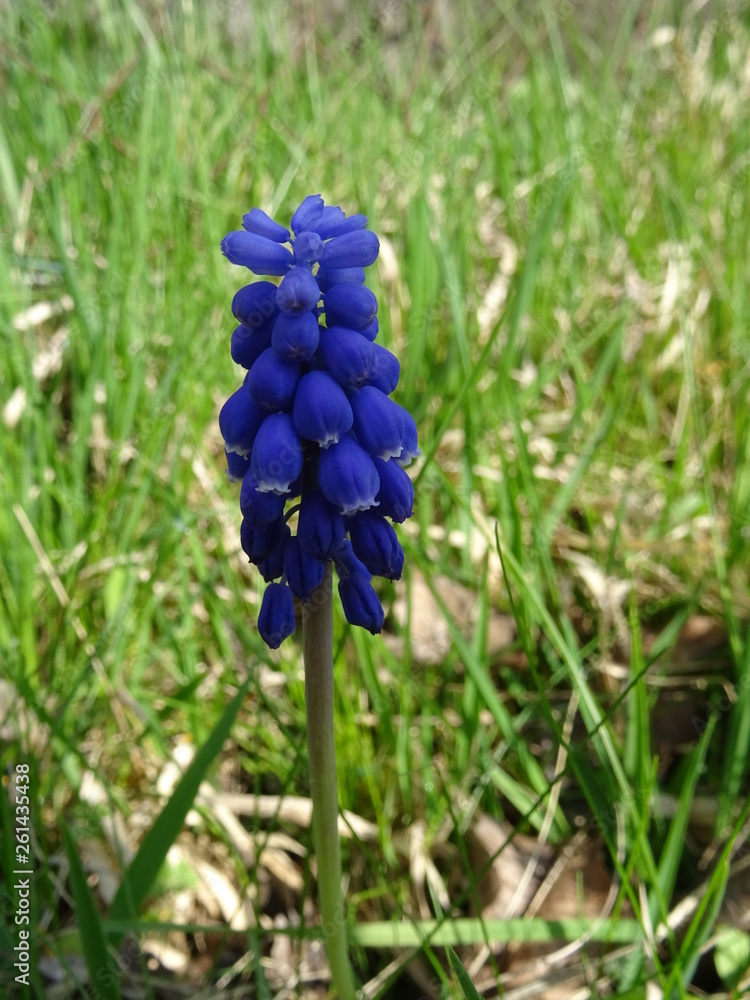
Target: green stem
point(318, 654)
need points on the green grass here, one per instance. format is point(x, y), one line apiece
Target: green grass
point(567, 202)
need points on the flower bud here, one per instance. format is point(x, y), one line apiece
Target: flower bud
point(360, 602)
point(320, 528)
point(375, 544)
point(260, 255)
point(303, 571)
point(276, 618)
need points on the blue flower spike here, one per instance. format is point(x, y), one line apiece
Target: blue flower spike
point(314, 419)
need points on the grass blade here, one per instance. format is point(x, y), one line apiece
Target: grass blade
point(144, 867)
point(99, 961)
point(469, 989)
point(392, 934)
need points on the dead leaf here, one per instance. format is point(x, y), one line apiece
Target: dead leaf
point(429, 633)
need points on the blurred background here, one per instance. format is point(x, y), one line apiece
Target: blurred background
point(555, 722)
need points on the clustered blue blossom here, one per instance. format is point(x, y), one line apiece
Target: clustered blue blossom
point(314, 418)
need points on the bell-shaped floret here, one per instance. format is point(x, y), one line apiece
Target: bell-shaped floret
point(276, 459)
point(239, 421)
point(298, 291)
point(371, 330)
point(347, 476)
point(348, 356)
point(255, 304)
point(320, 527)
point(308, 213)
point(276, 617)
point(360, 602)
point(396, 494)
point(248, 345)
point(387, 370)
point(354, 249)
point(378, 422)
point(237, 466)
point(308, 248)
point(375, 544)
point(303, 571)
point(272, 381)
point(259, 509)
point(321, 409)
point(350, 305)
point(330, 217)
point(258, 222)
point(272, 567)
point(328, 277)
point(295, 337)
point(411, 448)
point(330, 225)
point(261, 255)
point(259, 544)
point(346, 562)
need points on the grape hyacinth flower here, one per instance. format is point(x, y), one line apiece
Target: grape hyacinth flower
point(313, 426)
point(313, 431)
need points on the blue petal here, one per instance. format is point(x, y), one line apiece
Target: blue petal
point(260, 543)
point(295, 337)
point(387, 369)
point(357, 249)
point(375, 544)
point(308, 247)
point(352, 306)
point(308, 213)
point(272, 381)
point(348, 356)
point(411, 446)
point(346, 562)
point(276, 459)
point(262, 256)
point(360, 603)
point(331, 217)
point(371, 331)
point(239, 421)
point(330, 228)
point(256, 221)
point(378, 422)
point(347, 476)
point(248, 345)
point(321, 410)
point(303, 571)
point(259, 509)
point(320, 528)
point(237, 466)
point(298, 291)
point(255, 304)
point(276, 617)
point(396, 494)
point(327, 277)
point(272, 567)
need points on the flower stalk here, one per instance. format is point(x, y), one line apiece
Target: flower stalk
point(318, 656)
